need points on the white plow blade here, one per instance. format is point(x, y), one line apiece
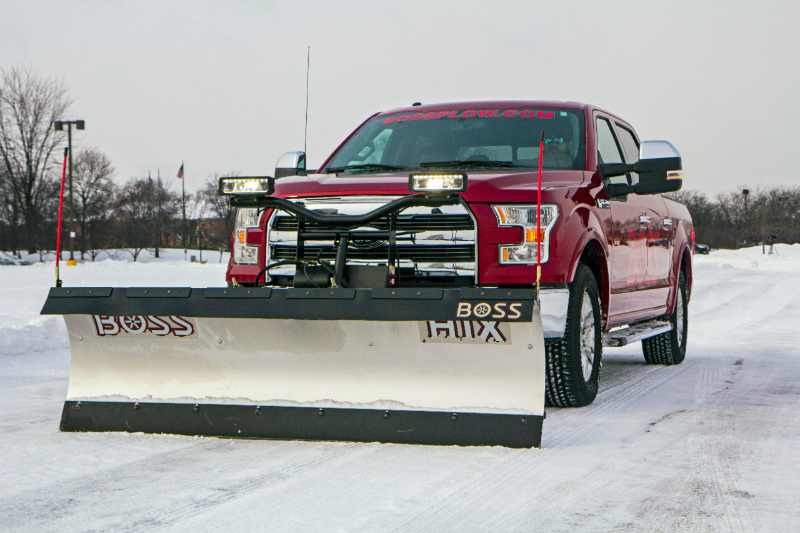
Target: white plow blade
point(308, 363)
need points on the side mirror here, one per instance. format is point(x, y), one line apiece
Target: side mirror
point(291, 164)
point(659, 169)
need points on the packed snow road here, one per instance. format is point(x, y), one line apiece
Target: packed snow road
point(709, 445)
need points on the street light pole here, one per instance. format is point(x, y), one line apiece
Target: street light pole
point(745, 192)
point(59, 126)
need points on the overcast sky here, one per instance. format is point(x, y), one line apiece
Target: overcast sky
point(221, 84)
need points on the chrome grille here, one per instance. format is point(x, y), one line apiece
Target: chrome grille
point(438, 239)
point(438, 222)
point(414, 253)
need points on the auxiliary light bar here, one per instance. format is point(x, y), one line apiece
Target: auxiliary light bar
point(438, 183)
point(247, 186)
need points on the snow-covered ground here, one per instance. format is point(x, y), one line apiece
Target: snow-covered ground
point(710, 445)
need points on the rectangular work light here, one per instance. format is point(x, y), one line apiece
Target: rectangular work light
point(438, 183)
point(247, 186)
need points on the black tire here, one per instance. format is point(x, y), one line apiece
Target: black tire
point(670, 348)
point(567, 382)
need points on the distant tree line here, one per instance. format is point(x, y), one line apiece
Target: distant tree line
point(735, 219)
point(143, 213)
point(146, 213)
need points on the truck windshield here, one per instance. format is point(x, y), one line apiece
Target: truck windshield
point(468, 138)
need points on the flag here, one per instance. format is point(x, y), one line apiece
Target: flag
point(180, 172)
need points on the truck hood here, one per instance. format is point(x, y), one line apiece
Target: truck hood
point(483, 185)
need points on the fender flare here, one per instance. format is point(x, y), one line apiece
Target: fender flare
point(594, 238)
point(684, 257)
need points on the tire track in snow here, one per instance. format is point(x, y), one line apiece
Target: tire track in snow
point(546, 512)
point(724, 294)
point(128, 488)
point(488, 485)
point(615, 398)
point(355, 481)
point(708, 491)
point(727, 422)
point(191, 507)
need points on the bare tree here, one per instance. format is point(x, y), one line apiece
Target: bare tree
point(725, 222)
point(219, 207)
point(28, 107)
point(145, 208)
point(165, 204)
point(95, 194)
point(133, 210)
point(9, 214)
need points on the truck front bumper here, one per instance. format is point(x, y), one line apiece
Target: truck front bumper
point(555, 301)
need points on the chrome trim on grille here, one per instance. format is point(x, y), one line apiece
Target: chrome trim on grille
point(457, 249)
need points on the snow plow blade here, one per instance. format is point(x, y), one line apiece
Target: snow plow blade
point(461, 366)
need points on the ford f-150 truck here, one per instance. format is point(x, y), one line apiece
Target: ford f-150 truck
point(445, 274)
point(616, 256)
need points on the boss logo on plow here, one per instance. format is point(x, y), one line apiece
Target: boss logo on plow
point(499, 310)
point(141, 324)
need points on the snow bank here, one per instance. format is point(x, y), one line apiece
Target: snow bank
point(41, 334)
point(145, 256)
point(23, 291)
point(786, 258)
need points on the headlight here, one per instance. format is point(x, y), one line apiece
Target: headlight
point(524, 216)
point(243, 254)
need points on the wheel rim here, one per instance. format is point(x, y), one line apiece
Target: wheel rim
point(679, 312)
point(587, 336)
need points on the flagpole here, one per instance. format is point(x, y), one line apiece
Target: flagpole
point(183, 203)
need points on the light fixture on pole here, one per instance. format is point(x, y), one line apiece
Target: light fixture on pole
point(59, 126)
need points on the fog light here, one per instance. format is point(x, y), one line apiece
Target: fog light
point(437, 183)
point(247, 186)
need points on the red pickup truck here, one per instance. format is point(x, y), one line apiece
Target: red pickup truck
point(616, 263)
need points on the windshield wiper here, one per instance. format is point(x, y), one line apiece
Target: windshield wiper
point(486, 164)
point(366, 167)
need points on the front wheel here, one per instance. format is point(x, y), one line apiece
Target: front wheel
point(670, 348)
point(573, 363)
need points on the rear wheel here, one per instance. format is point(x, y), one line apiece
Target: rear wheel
point(670, 348)
point(573, 363)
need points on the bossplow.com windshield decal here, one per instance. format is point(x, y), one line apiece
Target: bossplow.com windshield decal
point(472, 113)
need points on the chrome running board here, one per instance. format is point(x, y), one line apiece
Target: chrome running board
point(635, 333)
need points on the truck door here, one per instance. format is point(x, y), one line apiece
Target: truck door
point(632, 218)
point(656, 225)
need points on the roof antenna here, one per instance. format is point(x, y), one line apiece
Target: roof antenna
point(308, 69)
